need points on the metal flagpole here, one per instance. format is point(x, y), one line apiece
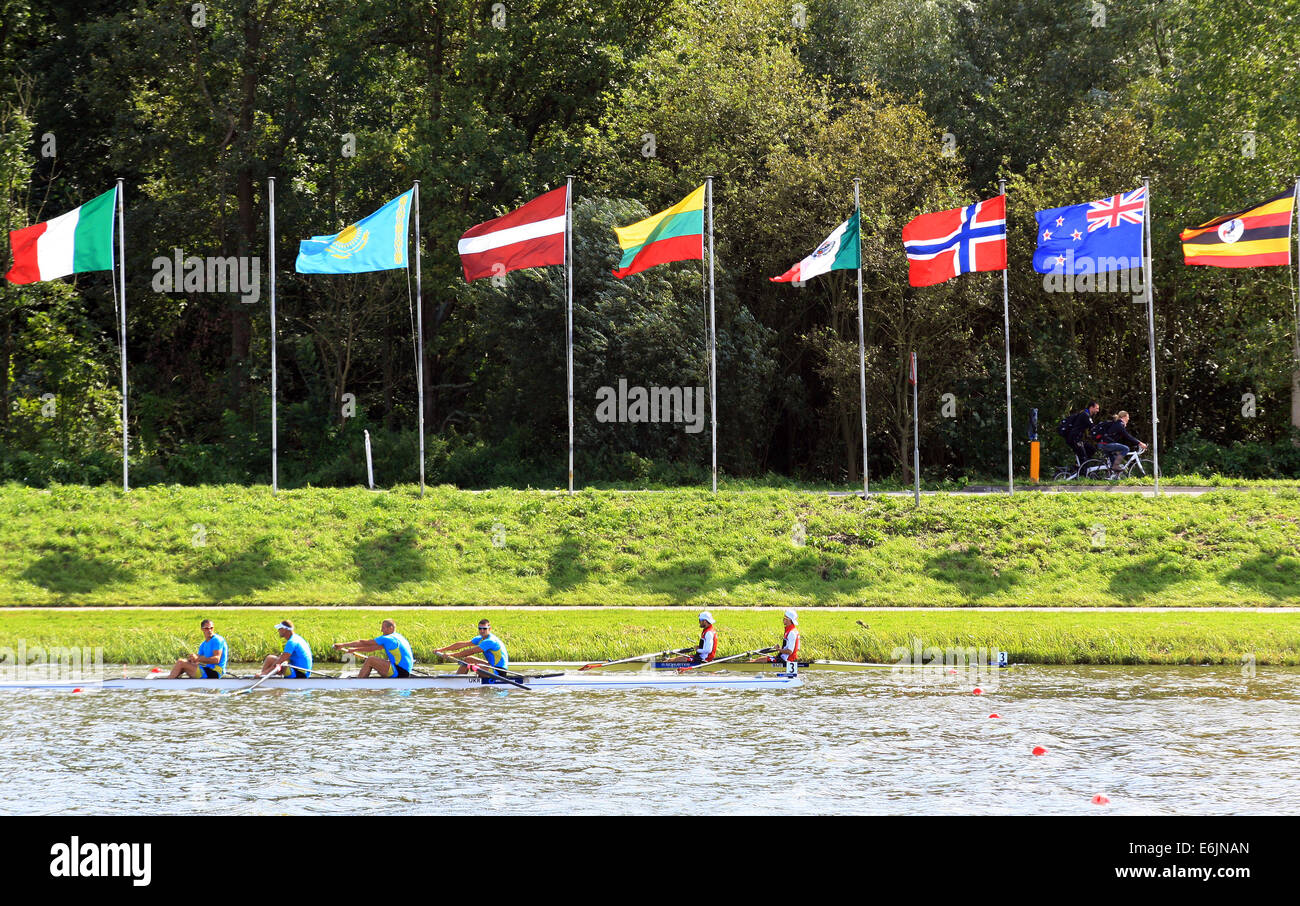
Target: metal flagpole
point(862, 348)
point(1295, 341)
point(1151, 337)
point(121, 265)
point(713, 340)
point(1006, 328)
point(916, 431)
point(419, 334)
point(568, 308)
point(270, 190)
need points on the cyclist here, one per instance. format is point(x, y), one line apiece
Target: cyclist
point(1076, 430)
point(1108, 436)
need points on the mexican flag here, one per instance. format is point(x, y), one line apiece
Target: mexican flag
point(78, 241)
point(839, 252)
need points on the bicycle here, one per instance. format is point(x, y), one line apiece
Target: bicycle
point(1084, 469)
point(1136, 465)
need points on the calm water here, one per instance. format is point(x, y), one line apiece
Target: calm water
point(1154, 740)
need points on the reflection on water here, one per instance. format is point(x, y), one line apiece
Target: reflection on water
point(1167, 740)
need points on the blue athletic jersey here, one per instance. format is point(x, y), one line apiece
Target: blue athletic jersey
point(493, 651)
point(213, 647)
point(398, 650)
point(299, 652)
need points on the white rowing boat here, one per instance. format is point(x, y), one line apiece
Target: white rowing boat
point(693, 680)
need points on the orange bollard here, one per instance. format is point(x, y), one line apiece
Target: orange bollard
point(1033, 461)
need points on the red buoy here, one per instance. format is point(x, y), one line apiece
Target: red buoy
point(1039, 750)
point(1100, 799)
point(995, 715)
point(155, 670)
point(78, 689)
point(977, 691)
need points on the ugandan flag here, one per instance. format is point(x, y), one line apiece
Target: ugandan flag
point(676, 234)
point(1256, 237)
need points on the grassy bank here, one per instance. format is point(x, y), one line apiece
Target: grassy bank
point(170, 545)
point(156, 637)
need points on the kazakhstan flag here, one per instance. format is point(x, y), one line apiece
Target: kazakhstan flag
point(377, 243)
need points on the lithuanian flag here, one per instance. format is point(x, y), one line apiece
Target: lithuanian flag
point(1256, 237)
point(676, 234)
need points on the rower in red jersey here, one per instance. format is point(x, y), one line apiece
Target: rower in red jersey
point(708, 647)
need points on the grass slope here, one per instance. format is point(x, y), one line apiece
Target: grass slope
point(1170, 637)
point(173, 545)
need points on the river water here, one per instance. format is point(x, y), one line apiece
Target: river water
point(1153, 740)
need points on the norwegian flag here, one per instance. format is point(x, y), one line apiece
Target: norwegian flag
point(945, 244)
point(1128, 207)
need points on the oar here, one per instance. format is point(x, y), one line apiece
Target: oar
point(497, 673)
point(630, 660)
point(249, 688)
point(723, 660)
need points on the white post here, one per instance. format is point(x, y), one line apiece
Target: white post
point(1006, 329)
point(419, 334)
point(713, 340)
point(1295, 336)
point(568, 307)
point(862, 348)
point(916, 430)
point(270, 194)
point(370, 469)
point(121, 266)
point(1151, 336)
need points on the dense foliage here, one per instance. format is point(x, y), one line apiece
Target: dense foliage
point(927, 102)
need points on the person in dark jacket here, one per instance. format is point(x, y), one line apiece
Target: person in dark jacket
point(1077, 430)
point(1112, 437)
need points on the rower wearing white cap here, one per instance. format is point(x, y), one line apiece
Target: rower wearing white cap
point(296, 652)
point(708, 647)
point(788, 656)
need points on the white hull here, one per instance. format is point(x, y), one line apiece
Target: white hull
point(594, 680)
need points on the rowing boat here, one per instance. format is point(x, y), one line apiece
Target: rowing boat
point(448, 681)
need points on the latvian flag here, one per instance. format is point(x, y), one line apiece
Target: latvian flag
point(1256, 237)
point(948, 243)
point(78, 241)
point(531, 236)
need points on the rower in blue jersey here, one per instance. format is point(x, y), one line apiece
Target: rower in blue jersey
point(209, 662)
point(295, 661)
point(485, 650)
point(398, 659)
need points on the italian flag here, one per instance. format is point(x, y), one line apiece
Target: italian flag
point(78, 241)
point(839, 252)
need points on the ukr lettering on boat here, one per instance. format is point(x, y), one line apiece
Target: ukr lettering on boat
point(75, 859)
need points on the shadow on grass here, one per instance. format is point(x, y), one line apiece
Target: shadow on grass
point(241, 574)
point(1147, 578)
point(71, 573)
point(1276, 576)
point(811, 571)
point(566, 567)
point(389, 560)
point(970, 573)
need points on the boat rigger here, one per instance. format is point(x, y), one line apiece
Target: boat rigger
point(443, 682)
